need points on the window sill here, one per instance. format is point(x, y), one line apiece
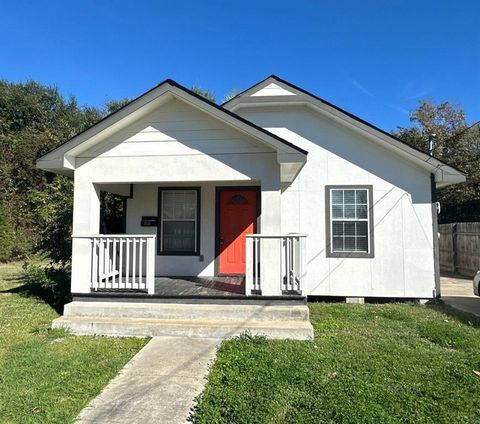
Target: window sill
point(178, 253)
point(350, 255)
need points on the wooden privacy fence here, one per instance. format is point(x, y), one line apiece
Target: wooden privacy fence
point(459, 247)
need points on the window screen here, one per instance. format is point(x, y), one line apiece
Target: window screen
point(179, 221)
point(349, 220)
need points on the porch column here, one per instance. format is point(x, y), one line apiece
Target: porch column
point(86, 220)
point(270, 223)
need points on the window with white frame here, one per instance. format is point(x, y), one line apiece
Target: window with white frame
point(178, 221)
point(350, 221)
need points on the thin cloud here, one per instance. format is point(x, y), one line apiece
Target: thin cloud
point(360, 87)
point(411, 92)
point(393, 106)
point(417, 95)
point(398, 108)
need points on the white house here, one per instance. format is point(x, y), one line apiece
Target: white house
point(271, 197)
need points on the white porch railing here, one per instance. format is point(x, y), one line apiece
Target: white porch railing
point(279, 257)
point(122, 262)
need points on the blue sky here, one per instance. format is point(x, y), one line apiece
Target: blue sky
point(376, 59)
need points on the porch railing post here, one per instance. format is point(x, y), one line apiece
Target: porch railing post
point(249, 265)
point(94, 276)
point(150, 265)
point(303, 263)
point(287, 253)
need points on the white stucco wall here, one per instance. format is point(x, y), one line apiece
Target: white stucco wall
point(403, 265)
point(179, 145)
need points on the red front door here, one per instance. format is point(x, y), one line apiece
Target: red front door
point(238, 217)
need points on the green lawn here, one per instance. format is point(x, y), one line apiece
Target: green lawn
point(368, 364)
point(48, 376)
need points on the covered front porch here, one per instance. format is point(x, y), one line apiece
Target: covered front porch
point(224, 235)
point(123, 265)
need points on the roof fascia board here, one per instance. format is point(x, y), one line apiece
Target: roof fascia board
point(291, 158)
point(57, 166)
point(47, 164)
point(442, 179)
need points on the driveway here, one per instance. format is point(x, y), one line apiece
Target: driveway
point(457, 292)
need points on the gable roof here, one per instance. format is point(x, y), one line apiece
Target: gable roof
point(274, 90)
point(57, 159)
point(271, 91)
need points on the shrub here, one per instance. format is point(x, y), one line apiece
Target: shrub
point(50, 282)
point(54, 205)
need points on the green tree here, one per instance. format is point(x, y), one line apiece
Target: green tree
point(229, 96)
point(33, 120)
point(443, 121)
point(53, 208)
point(112, 106)
point(204, 93)
point(6, 237)
point(455, 142)
point(461, 202)
point(35, 206)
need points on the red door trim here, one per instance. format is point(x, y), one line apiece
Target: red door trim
point(218, 190)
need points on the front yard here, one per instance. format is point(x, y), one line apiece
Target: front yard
point(368, 364)
point(48, 376)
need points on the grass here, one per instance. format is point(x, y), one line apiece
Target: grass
point(389, 363)
point(48, 376)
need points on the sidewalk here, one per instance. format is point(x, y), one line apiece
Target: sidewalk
point(158, 385)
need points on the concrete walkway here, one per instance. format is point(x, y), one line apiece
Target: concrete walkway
point(457, 292)
point(158, 385)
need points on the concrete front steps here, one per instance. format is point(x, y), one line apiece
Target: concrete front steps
point(278, 321)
